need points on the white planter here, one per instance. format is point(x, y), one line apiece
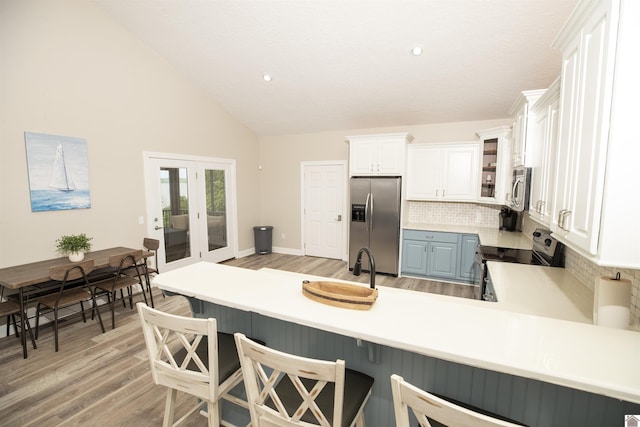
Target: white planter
point(76, 256)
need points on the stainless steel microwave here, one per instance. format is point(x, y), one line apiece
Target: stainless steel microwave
point(520, 189)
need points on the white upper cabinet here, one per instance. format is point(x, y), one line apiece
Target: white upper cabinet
point(522, 126)
point(494, 166)
point(382, 154)
point(544, 141)
point(442, 171)
point(596, 193)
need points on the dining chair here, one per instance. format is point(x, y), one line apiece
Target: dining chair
point(190, 356)
point(131, 263)
point(150, 245)
point(9, 309)
point(73, 289)
point(433, 411)
point(289, 390)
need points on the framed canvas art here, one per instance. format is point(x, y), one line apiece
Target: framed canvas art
point(58, 172)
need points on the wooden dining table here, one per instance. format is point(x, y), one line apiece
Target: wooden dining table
point(28, 276)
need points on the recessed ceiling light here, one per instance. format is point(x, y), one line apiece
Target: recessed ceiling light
point(416, 51)
point(267, 77)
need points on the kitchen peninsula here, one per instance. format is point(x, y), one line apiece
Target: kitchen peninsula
point(537, 370)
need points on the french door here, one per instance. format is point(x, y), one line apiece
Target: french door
point(191, 208)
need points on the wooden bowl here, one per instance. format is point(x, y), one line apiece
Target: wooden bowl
point(342, 295)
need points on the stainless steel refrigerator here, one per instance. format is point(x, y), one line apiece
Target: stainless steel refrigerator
point(375, 221)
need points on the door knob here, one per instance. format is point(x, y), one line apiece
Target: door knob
point(339, 218)
point(157, 228)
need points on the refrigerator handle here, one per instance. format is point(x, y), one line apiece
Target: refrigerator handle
point(371, 212)
point(367, 215)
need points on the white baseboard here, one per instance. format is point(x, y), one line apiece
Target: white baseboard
point(288, 251)
point(278, 250)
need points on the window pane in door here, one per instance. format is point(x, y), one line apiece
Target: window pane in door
point(216, 209)
point(174, 196)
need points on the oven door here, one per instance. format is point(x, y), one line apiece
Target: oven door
point(478, 274)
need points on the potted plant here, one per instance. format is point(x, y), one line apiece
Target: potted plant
point(74, 245)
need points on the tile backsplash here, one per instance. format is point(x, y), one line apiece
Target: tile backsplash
point(453, 213)
point(585, 271)
point(588, 272)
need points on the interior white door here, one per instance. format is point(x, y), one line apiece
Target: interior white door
point(191, 209)
point(324, 222)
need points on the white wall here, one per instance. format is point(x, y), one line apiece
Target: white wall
point(67, 69)
point(281, 157)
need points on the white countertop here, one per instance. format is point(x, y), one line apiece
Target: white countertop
point(475, 333)
point(489, 236)
point(542, 291)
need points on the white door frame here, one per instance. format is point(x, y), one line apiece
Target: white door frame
point(345, 215)
point(150, 183)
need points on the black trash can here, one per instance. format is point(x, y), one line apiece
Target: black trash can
point(263, 237)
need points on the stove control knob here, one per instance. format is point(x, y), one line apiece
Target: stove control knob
point(547, 242)
point(537, 234)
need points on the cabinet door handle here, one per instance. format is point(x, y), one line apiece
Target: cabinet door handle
point(564, 219)
point(562, 211)
point(437, 193)
point(443, 195)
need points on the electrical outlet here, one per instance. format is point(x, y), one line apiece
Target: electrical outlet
point(140, 220)
point(283, 236)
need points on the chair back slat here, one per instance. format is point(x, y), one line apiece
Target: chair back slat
point(127, 260)
point(67, 272)
point(151, 244)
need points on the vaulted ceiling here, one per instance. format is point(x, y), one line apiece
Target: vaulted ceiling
point(347, 64)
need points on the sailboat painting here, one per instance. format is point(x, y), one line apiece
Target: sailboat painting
point(58, 172)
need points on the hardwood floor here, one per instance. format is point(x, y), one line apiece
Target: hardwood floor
point(94, 380)
point(104, 379)
point(338, 270)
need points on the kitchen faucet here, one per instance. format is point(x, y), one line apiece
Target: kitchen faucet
point(357, 268)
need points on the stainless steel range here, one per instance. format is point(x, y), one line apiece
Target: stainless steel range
point(546, 251)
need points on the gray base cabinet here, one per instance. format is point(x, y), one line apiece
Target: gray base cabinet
point(438, 255)
point(414, 257)
point(442, 259)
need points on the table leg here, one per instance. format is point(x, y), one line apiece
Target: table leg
point(23, 334)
